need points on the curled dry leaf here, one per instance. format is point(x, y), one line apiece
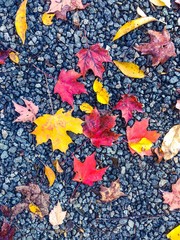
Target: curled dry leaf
point(47, 18)
point(130, 69)
point(140, 12)
point(57, 216)
point(14, 56)
point(86, 107)
point(173, 198)
point(101, 93)
point(174, 234)
point(112, 193)
point(131, 25)
point(178, 104)
point(28, 113)
point(171, 143)
point(3, 56)
point(161, 3)
point(57, 166)
point(20, 21)
point(160, 47)
point(50, 175)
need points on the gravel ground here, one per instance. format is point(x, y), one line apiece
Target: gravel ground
point(139, 216)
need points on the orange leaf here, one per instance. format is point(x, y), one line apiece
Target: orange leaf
point(57, 166)
point(50, 175)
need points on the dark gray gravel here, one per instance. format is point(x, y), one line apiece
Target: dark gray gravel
point(139, 216)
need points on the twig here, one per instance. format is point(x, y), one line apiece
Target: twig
point(75, 190)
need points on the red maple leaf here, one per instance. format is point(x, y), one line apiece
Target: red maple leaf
point(127, 105)
point(86, 172)
point(67, 85)
point(3, 56)
point(98, 128)
point(93, 58)
point(140, 139)
point(160, 47)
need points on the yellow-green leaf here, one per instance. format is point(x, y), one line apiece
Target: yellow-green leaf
point(101, 93)
point(143, 145)
point(161, 3)
point(20, 21)
point(14, 56)
point(86, 107)
point(131, 25)
point(50, 175)
point(47, 18)
point(130, 69)
point(35, 209)
point(174, 234)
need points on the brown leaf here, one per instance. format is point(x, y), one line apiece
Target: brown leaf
point(160, 47)
point(56, 216)
point(6, 231)
point(159, 153)
point(18, 208)
point(111, 193)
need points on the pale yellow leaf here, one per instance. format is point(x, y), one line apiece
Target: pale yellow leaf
point(20, 21)
point(161, 3)
point(50, 175)
point(101, 93)
point(140, 12)
point(171, 143)
point(143, 145)
point(174, 234)
point(47, 18)
point(86, 107)
point(130, 69)
point(14, 56)
point(131, 25)
point(57, 166)
point(56, 216)
point(35, 209)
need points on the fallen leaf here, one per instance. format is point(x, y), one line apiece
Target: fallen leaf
point(4, 54)
point(86, 107)
point(140, 140)
point(171, 143)
point(57, 216)
point(14, 56)
point(130, 69)
point(92, 58)
point(128, 104)
point(35, 210)
point(67, 85)
point(112, 193)
point(20, 21)
point(6, 211)
point(178, 104)
point(50, 175)
point(47, 18)
point(60, 8)
point(19, 208)
point(161, 3)
point(86, 172)
point(55, 127)
point(140, 12)
point(131, 25)
point(98, 128)
point(160, 47)
point(28, 113)
point(173, 198)
point(7, 231)
point(177, 1)
point(174, 234)
point(159, 153)
point(101, 93)
point(57, 166)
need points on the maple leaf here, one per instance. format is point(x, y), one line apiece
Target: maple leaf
point(112, 193)
point(128, 104)
point(140, 139)
point(98, 128)
point(160, 47)
point(67, 85)
point(6, 231)
point(92, 58)
point(86, 172)
point(27, 113)
point(4, 54)
point(61, 7)
point(173, 198)
point(55, 127)
point(56, 216)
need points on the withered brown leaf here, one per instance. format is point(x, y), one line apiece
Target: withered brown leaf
point(160, 47)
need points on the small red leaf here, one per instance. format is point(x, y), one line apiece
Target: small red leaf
point(3, 56)
point(86, 172)
point(127, 105)
point(98, 128)
point(93, 58)
point(67, 85)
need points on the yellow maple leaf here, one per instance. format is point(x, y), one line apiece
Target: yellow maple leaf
point(55, 127)
point(20, 21)
point(102, 94)
point(174, 234)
